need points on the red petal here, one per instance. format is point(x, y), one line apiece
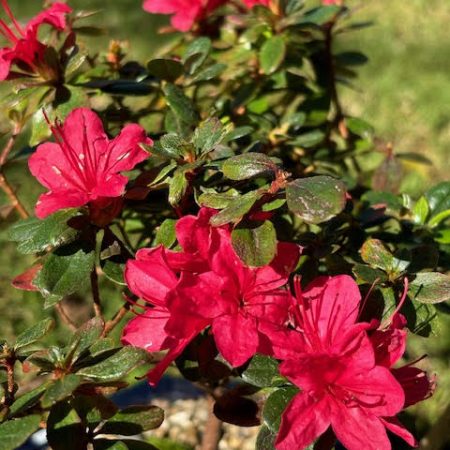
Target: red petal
point(54, 16)
point(236, 337)
point(357, 430)
point(304, 420)
point(396, 427)
point(54, 201)
point(149, 276)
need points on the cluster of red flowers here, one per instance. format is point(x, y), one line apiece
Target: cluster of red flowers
point(343, 367)
point(25, 50)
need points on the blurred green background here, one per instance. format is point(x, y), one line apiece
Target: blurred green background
point(404, 91)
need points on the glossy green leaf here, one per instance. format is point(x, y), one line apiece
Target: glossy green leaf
point(316, 199)
point(320, 15)
point(181, 105)
point(208, 135)
point(421, 211)
point(28, 400)
point(255, 245)
point(248, 165)
point(439, 198)
point(265, 439)
point(375, 254)
point(261, 371)
point(124, 444)
point(276, 404)
point(134, 420)
point(430, 287)
point(177, 187)
point(14, 433)
point(60, 389)
point(65, 430)
point(34, 333)
point(35, 236)
point(272, 54)
point(165, 234)
point(165, 69)
point(116, 366)
point(235, 209)
point(196, 54)
point(65, 270)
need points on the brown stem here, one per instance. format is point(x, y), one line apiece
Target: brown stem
point(64, 317)
point(111, 324)
point(213, 429)
point(4, 184)
point(14, 200)
point(9, 363)
point(96, 295)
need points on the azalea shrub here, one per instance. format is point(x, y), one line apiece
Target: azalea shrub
point(223, 192)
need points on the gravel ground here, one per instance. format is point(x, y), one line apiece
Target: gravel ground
point(185, 421)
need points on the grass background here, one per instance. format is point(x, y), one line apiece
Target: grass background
point(404, 91)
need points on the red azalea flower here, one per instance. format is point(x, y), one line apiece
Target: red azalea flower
point(83, 166)
point(25, 49)
point(330, 357)
point(185, 12)
point(252, 3)
point(234, 298)
point(206, 285)
point(152, 276)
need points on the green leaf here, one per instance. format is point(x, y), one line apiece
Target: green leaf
point(375, 254)
point(351, 58)
point(238, 133)
point(170, 146)
point(316, 199)
point(60, 389)
point(272, 54)
point(265, 439)
point(439, 198)
point(236, 209)
point(421, 211)
point(177, 187)
point(124, 444)
point(36, 236)
point(360, 127)
point(113, 271)
point(208, 135)
point(165, 69)
point(65, 270)
point(182, 106)
point(134, 420)
point(438, 218)
point(86, 336)
point(308, 140)
point(320, 15)
point(165, 234)
point(93, 409)
point(14, 433)
point(34, 333)
point(217, 200)
point(196, 54)
point(248, 165)
point(210, 72)
point(65, 430)
point(430, 287)
point(116, 366)
point(261, 371)
point(276, 404)
point(255, 245)
point(368, 274)
point(28, 400)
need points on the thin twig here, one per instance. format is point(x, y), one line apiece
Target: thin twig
point(64, 317)
point(111, 324)
point(96, 295)
point(4, 184)
point(9, 363)
point(213, 429)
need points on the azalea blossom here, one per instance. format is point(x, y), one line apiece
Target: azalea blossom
point(184, 12)
point(83, 166)
point(206, 285)
point(25, 50)
point(345, 382)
